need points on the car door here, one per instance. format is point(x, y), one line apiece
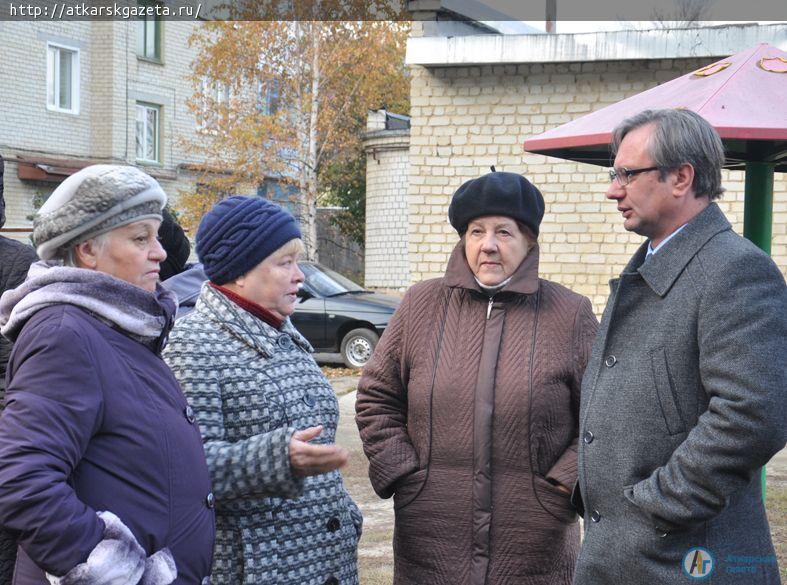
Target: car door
point(309, 318)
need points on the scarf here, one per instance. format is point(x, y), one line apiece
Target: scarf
point(144, 316)
point(494, 289)
point(257, 310)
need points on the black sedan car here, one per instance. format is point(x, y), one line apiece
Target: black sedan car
point(333, 313)
point(337, 315)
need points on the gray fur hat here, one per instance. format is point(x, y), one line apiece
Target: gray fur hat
point(93, 201)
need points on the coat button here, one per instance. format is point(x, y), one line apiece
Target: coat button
point(595, 516)
point(189, 412)
point(610, 361)
point(210, 501)
point(309, 400)
point(205, 581)
point(331, 581)
point(587, 437)
point(284, 342)
point(334, 524)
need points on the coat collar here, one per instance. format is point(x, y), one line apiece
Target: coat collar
point(523, 281)
point(663, 269)
point(245, 326)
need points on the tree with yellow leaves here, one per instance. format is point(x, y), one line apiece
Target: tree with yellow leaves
point(282, 99)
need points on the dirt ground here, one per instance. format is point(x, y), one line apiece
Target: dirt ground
point(375, 554)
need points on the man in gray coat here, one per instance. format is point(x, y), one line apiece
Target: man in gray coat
point(683, 400)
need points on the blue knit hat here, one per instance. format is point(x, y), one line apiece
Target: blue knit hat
point(239, 233)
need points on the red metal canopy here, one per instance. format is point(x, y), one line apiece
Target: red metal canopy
point(742, 96)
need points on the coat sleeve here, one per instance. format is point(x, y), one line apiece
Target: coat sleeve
point(381, 408)
point(742, 337)
point(53, 408)
point(565, 469)
point(258, 466)
point(16, 260)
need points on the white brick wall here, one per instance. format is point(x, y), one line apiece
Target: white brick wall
point(112, 80)
point(467, 118)
point(387, 170)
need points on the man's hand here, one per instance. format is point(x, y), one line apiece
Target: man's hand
point(307, 459)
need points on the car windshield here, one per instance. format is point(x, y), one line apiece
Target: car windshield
point(327, 283)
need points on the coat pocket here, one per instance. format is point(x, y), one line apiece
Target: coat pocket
point(665, 390)
point(554, 501)
point(408, 488)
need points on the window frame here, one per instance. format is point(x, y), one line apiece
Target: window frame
point(214, 94)
point(142, 36)
point(157, 133)
point(53, 56)
point(268, 97)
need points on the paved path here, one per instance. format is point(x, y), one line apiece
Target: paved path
point(375, 551)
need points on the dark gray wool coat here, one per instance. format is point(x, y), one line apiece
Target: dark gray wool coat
point(251, 387)
point(683, 401)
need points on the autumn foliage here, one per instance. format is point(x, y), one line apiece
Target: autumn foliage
point(284, 100)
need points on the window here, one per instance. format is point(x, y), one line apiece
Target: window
point(215, 105)
point(268, 97)
point(62, 78)
point(148, 132)
point(149, 35)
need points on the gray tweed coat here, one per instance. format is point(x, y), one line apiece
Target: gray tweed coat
point(683, 401)
point(251, 387)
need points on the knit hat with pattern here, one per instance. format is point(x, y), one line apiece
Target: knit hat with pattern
point(93, 201)
point(239, 233)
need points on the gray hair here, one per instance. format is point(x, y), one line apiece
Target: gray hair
point(681, 136)
point(68, 256)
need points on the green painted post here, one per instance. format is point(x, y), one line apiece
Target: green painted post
point(758, 216)
point(758, 205)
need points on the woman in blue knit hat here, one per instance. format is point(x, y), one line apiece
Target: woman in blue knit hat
point(267, 414)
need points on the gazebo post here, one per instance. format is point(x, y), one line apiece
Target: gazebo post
point(758, 205)
point(758, 216)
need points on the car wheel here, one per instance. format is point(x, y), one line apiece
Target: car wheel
point(357, 347)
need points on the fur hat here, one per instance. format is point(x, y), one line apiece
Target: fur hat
point(507, 194)
point(239, 233)
point(93, 201)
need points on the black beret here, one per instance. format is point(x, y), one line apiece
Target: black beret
point(506, 194)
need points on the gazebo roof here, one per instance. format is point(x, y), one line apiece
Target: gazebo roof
point(742, 96)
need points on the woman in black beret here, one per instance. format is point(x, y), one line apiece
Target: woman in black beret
point(468, 409)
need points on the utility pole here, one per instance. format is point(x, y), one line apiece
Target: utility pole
point(551, 16)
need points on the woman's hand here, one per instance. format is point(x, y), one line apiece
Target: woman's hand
point(307, 459)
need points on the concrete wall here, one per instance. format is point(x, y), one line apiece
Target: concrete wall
point(465, 119)
point(337, 251)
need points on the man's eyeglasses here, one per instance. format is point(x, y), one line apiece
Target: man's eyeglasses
point(624, 175)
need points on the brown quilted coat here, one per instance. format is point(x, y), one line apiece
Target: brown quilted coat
point(467, 409)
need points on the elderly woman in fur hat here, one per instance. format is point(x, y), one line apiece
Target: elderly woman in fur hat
point(102, 473)
point(468, 409)
point(267, 413)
